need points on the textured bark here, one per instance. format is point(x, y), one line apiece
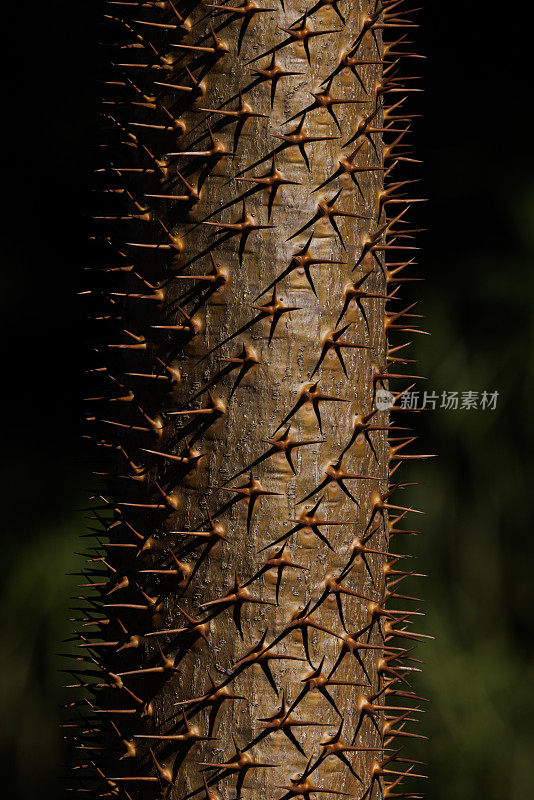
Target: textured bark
point(266, 396)
point(176, 472)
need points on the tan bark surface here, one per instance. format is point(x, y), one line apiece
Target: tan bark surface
point(269, 392)
point(182, 477)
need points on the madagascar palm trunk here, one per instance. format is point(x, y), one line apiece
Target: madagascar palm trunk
point(250, 223)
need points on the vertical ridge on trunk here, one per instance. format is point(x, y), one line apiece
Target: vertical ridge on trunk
point(250, 233)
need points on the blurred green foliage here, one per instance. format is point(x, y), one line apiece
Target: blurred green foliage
point(34, 623)
point(476, 544)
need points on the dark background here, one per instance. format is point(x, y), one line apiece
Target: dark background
point(476, 545)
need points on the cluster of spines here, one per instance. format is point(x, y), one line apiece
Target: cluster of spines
point(147, 187)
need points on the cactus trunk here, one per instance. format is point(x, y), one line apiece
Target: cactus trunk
point(237, 637)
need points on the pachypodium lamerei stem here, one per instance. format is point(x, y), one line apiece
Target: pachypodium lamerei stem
point(243, 630)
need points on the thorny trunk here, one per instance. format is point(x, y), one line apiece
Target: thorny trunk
point(242, 640)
